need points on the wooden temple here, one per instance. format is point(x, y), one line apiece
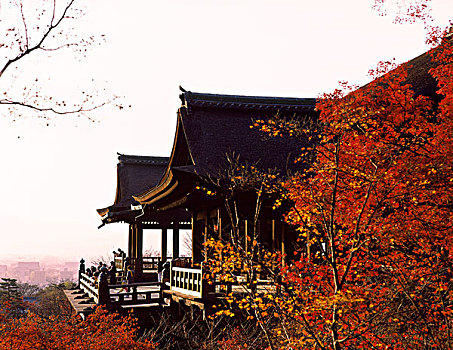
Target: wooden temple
point(170, 193)
point(212, 129)
point(184, 190)
point(136, 174)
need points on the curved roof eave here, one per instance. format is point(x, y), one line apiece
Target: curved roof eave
point(167, 185)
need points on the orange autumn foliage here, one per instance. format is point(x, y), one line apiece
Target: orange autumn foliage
point(375, 212)
point(236, 341)
point(101, 330)
point(375, 209)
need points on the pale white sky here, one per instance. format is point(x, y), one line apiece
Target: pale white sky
point(54, 177)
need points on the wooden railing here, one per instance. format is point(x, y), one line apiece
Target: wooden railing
point(88, 285)
point(182, 262)
point(187, 281)
point(116, 295)
point(150, 262)
point(134, 296)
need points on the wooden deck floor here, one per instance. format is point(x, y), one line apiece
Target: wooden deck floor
point(81, 304)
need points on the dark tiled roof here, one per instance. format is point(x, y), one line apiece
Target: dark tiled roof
point(219, 125)
point(135, 174)
point(423, 83)
point(419, 76)
point(211, 126)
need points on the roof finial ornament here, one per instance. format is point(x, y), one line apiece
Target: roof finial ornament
point(182, 89)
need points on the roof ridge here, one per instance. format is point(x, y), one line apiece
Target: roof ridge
point(196, 99)
point(136, 159)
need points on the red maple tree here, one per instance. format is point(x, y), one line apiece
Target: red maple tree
point(374, 211)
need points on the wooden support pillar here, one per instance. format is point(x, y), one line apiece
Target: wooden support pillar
point(197, 233)
point(175, 240)
point(138, 252)
point(139, 241)
point(133, 241)
point(164, 244)
point(130, 245)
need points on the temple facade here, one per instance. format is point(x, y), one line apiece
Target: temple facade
point(208, 186)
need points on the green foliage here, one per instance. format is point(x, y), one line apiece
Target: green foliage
point(11, 297)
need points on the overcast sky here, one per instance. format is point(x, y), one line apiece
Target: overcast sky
point(54, 177)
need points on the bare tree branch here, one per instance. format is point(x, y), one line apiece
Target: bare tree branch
point(52, 26)
point(25, 25)
point(42, 30)
point(80, 109)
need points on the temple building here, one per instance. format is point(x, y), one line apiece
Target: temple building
point(214, 136)
point(136, 174)
point(210, 184)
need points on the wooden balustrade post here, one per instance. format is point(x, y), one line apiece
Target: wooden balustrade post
point(171, 276)
point(206, 288)
point(104, 291)
point(134, 294)
point(163, 242)
point(81, 270)
point(175, 240)
point(229, 287)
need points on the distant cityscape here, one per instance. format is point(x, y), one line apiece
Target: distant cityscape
point(40, 273)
